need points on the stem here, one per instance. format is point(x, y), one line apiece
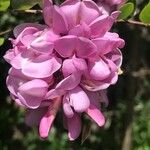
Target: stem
point(30, 11)
point(134, 22)
point(5, 32)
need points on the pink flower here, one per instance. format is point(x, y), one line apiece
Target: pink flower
point(43, 116)
point(85, 35)
point(68, 63)
point(26, 82)
point(72, 106)
point(26, 91)
point(32, 50)
point(77, 101)
point(102, 71)
point(78, 18)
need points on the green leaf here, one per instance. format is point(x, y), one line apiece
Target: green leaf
point(145, 14)
point(4, 4)
point(24, 4)
point(1, 41)
point(126, 10)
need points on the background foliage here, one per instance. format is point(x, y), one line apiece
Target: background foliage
point(127, 116)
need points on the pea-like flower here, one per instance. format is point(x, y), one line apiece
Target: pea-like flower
point(66, 64)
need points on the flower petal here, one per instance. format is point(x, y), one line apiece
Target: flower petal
point(66, 107)
point(74, 127)
point(79, 99)
point(45, 124)
point(19, 60)
point(18, 29)
point(101, 25)
point(94, 97)
point(47, 12)
point(48, 118)
point(26, 36)
point(59, 21)
point(85, 47)
point(115, 56)
point(70, 10)
point(36, 87)
point(79, 63)
point(13, 84)
point(99, 70)
point(29, 101)
point(95, 85)
point(68, 67)
point(44, 43)
point(33, 67)
point(108, 42)
point(34, 116)
point(67, 83)
point(41, 45)
point(81, 30)
point(54, 93)
point(96, 115)
point(88, 11)
point(65, 45)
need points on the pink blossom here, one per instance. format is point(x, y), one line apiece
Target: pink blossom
point(27, 92)
point(102, 71)
point(67, 63)
point(43, 116)
point(33, 50)
point(78, 18)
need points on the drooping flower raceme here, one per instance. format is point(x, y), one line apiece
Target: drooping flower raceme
point(67, 64)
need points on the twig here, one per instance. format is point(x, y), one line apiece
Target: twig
point(5, 32)
point(141, 73)
point(134, 22)
point(30, 11)
point(123, 21)
point(118, 21)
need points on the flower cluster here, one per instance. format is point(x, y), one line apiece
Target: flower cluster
point(66, 64)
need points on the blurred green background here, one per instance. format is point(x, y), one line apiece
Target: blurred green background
point(127, 116)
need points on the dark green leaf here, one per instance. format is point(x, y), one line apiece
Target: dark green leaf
point(126, 10)
point(145, 14)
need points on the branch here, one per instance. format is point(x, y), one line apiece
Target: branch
point(5, 32)
point(30, 11)
point(141, 73)
point(134, 22)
